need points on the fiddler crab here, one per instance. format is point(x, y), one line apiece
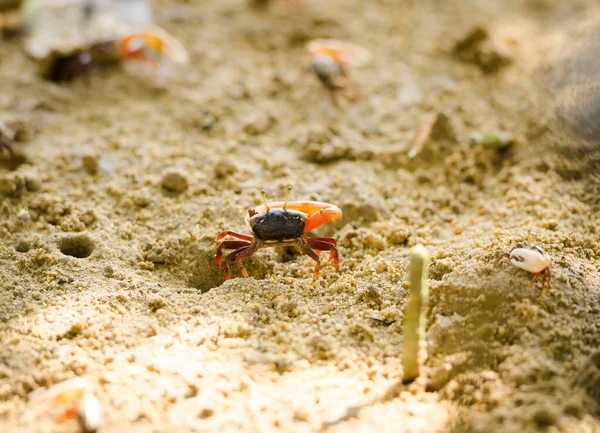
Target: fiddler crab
point(149, 48)
point(526, 255)
point(70, 37)
point(331, 61)
point(279, 224)
point(73, 398)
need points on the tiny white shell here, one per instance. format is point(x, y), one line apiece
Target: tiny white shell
point(531, 260)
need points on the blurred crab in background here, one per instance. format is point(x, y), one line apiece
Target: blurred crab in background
point(332, 60)
point(73, 398)
point(71, 36)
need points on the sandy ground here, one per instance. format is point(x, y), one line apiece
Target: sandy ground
point(112, 276)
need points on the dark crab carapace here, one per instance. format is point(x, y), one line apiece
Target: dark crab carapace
point(281, 224)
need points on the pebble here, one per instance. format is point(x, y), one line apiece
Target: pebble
point(174, 181)
point(91, 163)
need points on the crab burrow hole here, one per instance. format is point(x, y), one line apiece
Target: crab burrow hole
point(80, 246)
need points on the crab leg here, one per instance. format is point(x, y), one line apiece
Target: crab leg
point(242, 255)
point(306, 250)
point(535, 277)
point(237, 256)
point(229, 245)
point(328, 240)
point(235, 235)
point(317, 244)
point(548, 275)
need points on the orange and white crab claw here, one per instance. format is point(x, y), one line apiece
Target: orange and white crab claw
point(66, 400)
point(153, 46)
point(342, 52)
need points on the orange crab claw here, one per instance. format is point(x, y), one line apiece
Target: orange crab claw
point(321, 217)
point(151, 46)
point(341, 52)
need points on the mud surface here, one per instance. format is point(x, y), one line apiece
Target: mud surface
point(109, 214)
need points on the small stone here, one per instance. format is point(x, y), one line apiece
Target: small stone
point(32, 182)
point(478, 47)
point(23, 215)
point(155, 303)
point(22, 246)
point(258, 123)
point(370, 296)
point(206, 412)
point(146, 266)
point(224, 169)
point(12, 184)
point(108, 271)
point(206, 122)
point(174, 181)
point(91, 163)
point(545, 417)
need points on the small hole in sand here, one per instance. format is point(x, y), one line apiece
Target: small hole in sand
point(205, 274)
point(80, 246)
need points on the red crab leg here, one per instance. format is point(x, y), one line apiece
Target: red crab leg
point(237, 256)
point(535, 277)
point(248, 251)
point(228, 245)
point(548, 275)
point(328, 240)
point(235, 235)
point(306, 249)
point(326, 246)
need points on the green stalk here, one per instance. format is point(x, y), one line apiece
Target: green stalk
point(415, 315)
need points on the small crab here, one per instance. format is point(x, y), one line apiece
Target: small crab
point(73, 398)
point(331, 62)
point(281, 224)
point(70, 37)
point(532, 258)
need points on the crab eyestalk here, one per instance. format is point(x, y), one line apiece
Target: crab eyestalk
point(287, 196)
point(414, 350)
point(264, 196)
